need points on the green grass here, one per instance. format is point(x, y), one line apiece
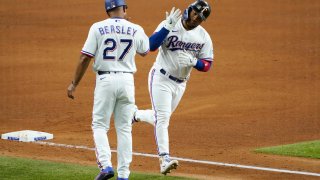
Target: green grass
point(27, 169)
point(309, 149)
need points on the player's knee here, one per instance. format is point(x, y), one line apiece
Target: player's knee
point(123, 128)
point(99, 125)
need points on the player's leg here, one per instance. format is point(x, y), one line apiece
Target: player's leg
point(177, 95)
point(146, 115)
point(102, 110)
point(161, 90)
point(161, 97)
point(123, 113)
point(162, 107)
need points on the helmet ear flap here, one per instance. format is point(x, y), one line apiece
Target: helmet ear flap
point(186, 13)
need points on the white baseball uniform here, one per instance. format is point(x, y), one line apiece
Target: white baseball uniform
point(113, 43)
point(167, 78)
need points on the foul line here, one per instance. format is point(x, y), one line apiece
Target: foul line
point(191, 160)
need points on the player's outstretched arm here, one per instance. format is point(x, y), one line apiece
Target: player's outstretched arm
point(82, 66)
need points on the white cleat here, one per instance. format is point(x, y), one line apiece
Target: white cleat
point(166, 165)
point(144, 116)
point(149, 117)
point(134, 119)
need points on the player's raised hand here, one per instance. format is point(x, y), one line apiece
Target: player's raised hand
point(186, 59)
point(172, 18)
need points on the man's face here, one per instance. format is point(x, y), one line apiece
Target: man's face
point(194, 20)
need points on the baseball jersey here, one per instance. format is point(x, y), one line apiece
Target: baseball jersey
point(113, 43)
point(196, 42)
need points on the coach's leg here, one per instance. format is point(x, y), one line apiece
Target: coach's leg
point(123, 113)
point(102, 110)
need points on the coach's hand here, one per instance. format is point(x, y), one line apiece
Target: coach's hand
point(172, 18)
point(71, 89)
point(186, 59)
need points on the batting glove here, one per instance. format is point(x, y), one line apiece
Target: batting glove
point(186, 59)
point(172, 18)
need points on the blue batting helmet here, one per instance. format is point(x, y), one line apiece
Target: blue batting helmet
point(202, 8)
point(110, 4)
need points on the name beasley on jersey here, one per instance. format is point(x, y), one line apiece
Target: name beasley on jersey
point(174, 44)
point(118, 30)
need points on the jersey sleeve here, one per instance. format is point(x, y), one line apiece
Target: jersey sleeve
point(142, 42)
point(91, 45)
point(207, 52)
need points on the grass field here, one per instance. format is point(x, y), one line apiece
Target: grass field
point(27, 169)
point(12, 168)
point(309, 149)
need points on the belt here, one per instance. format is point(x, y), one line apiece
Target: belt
point(109, 72)
point(172, 77)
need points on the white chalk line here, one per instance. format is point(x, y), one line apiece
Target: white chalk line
point(192, 160)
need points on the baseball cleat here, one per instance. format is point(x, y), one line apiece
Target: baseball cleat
point(105, 174)
point(147, 116)
point(166, 165)
point(134, 119)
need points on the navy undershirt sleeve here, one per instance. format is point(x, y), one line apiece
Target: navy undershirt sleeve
point(157, 38)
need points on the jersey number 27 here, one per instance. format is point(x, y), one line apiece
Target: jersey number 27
point(112, 46)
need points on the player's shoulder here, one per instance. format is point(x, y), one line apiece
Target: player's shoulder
point(203, 33)
point(116, 22)
point(202, 30)
point(99, 23)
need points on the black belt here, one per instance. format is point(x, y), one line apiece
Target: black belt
point(109, 72)
point(171, 77)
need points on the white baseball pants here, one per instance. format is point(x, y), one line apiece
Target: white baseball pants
point(165, 96)
point(114, 94)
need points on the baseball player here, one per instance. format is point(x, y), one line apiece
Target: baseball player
point(113, 43)
point(182, 47)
